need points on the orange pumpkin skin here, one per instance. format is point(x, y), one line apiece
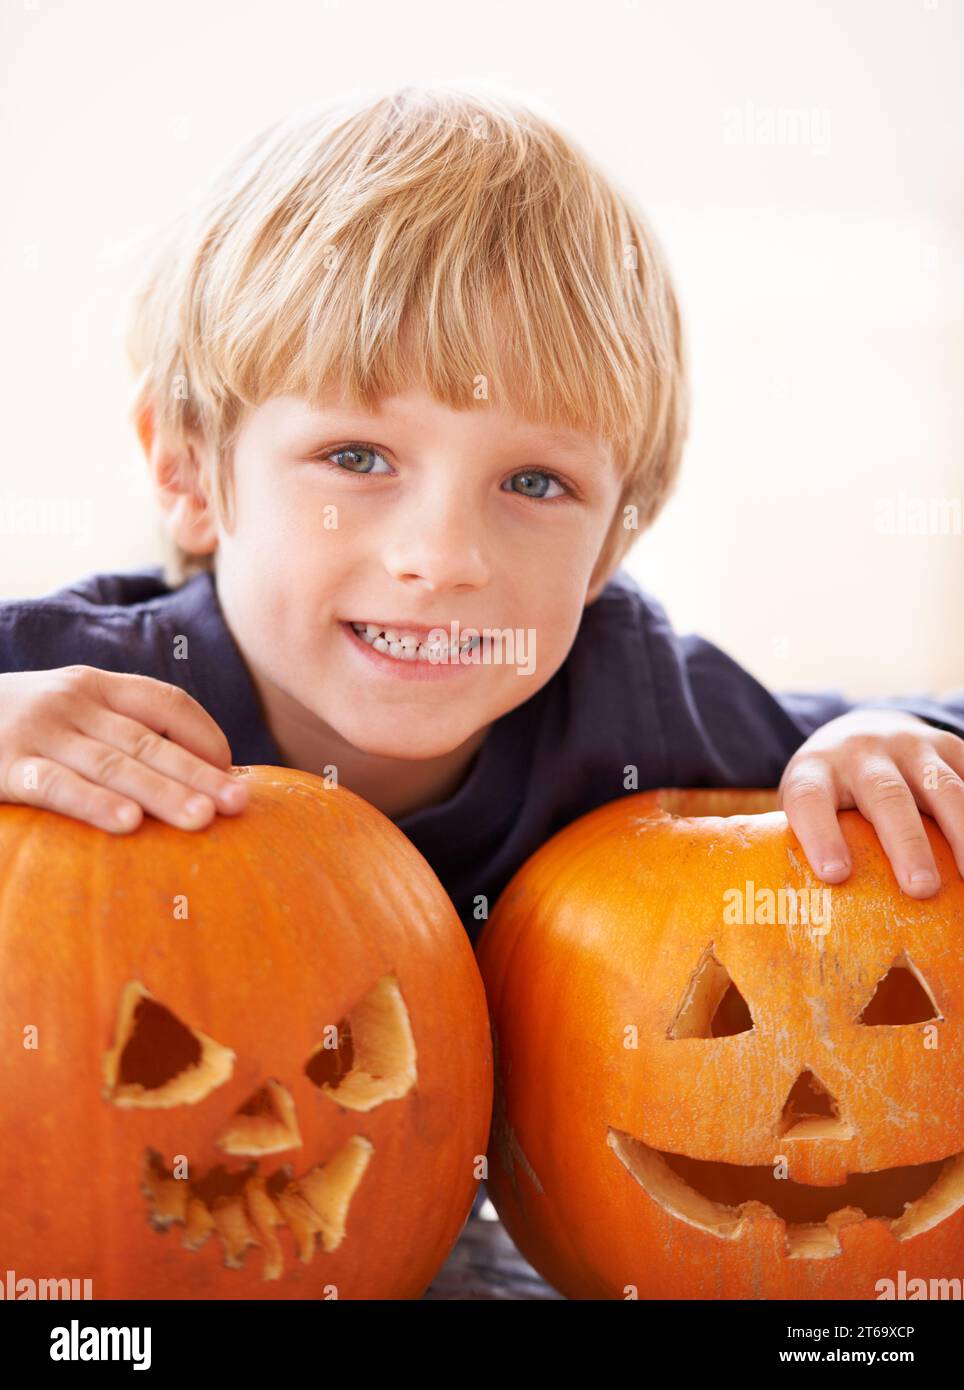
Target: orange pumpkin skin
point(308, 911)
point(605, 1159)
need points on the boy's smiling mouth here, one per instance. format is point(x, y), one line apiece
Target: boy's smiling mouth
point(402, 652)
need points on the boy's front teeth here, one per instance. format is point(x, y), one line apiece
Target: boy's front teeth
point(406, 646)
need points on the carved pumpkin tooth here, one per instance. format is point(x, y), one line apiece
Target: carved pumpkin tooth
point(235, 1230)
point(167, 1196)
point(170, 1198)
point(330, 1187)
point(302, 1221)
point(265, 1215)
point(198, 1225)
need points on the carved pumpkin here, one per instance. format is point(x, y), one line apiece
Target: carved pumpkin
point(697, 1097)
point(247, 1062)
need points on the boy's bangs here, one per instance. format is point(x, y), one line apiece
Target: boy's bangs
point(476, 317)
point(473, 363)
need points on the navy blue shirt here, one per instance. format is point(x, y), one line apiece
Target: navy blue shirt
point(630, 693)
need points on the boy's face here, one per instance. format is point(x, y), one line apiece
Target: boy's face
point(442, 516)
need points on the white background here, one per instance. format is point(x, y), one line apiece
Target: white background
point(820, 281)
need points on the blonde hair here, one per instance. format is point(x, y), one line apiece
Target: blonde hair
point(442, 236)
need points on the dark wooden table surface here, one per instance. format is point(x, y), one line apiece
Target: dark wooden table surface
point(485, 1264)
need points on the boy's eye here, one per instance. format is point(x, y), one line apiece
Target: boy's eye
point(353, 451)
point(535, 477)
point(535, 481)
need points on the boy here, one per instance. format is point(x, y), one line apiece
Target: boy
point(414, 364)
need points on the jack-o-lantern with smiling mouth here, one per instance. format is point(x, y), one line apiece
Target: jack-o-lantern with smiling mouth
point(247, 1062)
point(716, 1077)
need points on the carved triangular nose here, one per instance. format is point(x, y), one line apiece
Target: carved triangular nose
point(811, 1112)
point(265, 1124)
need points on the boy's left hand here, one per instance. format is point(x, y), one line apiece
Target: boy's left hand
point(886, 764)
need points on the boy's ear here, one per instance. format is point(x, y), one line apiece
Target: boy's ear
point(178, 480)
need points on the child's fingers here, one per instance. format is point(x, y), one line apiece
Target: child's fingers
point(108, 766)
point(165, 708)
point(809, 801)
point(940, 791)
point(42, 782)
point(146, 746)
point(949, 748)
point(883, 797)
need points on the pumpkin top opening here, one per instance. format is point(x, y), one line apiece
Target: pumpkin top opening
point(689, 803)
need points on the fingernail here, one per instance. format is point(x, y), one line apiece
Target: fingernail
point(233, 795)
point(197, 806)
point(125, 816)
point(923, 878)
point(835, 866)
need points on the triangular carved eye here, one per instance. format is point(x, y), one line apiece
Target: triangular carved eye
point(158, 1061)
point(811, 1112)
point(901, 997)
point(369, 1056)
point(712, 1006)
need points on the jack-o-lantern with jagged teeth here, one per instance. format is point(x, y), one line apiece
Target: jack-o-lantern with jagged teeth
point(256, 1060)
point(157, 1062)
point(717, 1077)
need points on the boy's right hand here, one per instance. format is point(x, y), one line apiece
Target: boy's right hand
point(88, 743)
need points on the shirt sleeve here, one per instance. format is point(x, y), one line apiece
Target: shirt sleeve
point(31, 638)
point(944, 711)
point(40, 635)
point(99, 620)
point(727, 729)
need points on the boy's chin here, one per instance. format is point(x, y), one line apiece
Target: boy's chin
point(406, 745)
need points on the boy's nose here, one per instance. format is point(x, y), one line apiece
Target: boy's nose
point(438, 553)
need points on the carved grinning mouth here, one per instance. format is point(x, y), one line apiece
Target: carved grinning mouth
point(723, 1198)
point(245, 1208)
